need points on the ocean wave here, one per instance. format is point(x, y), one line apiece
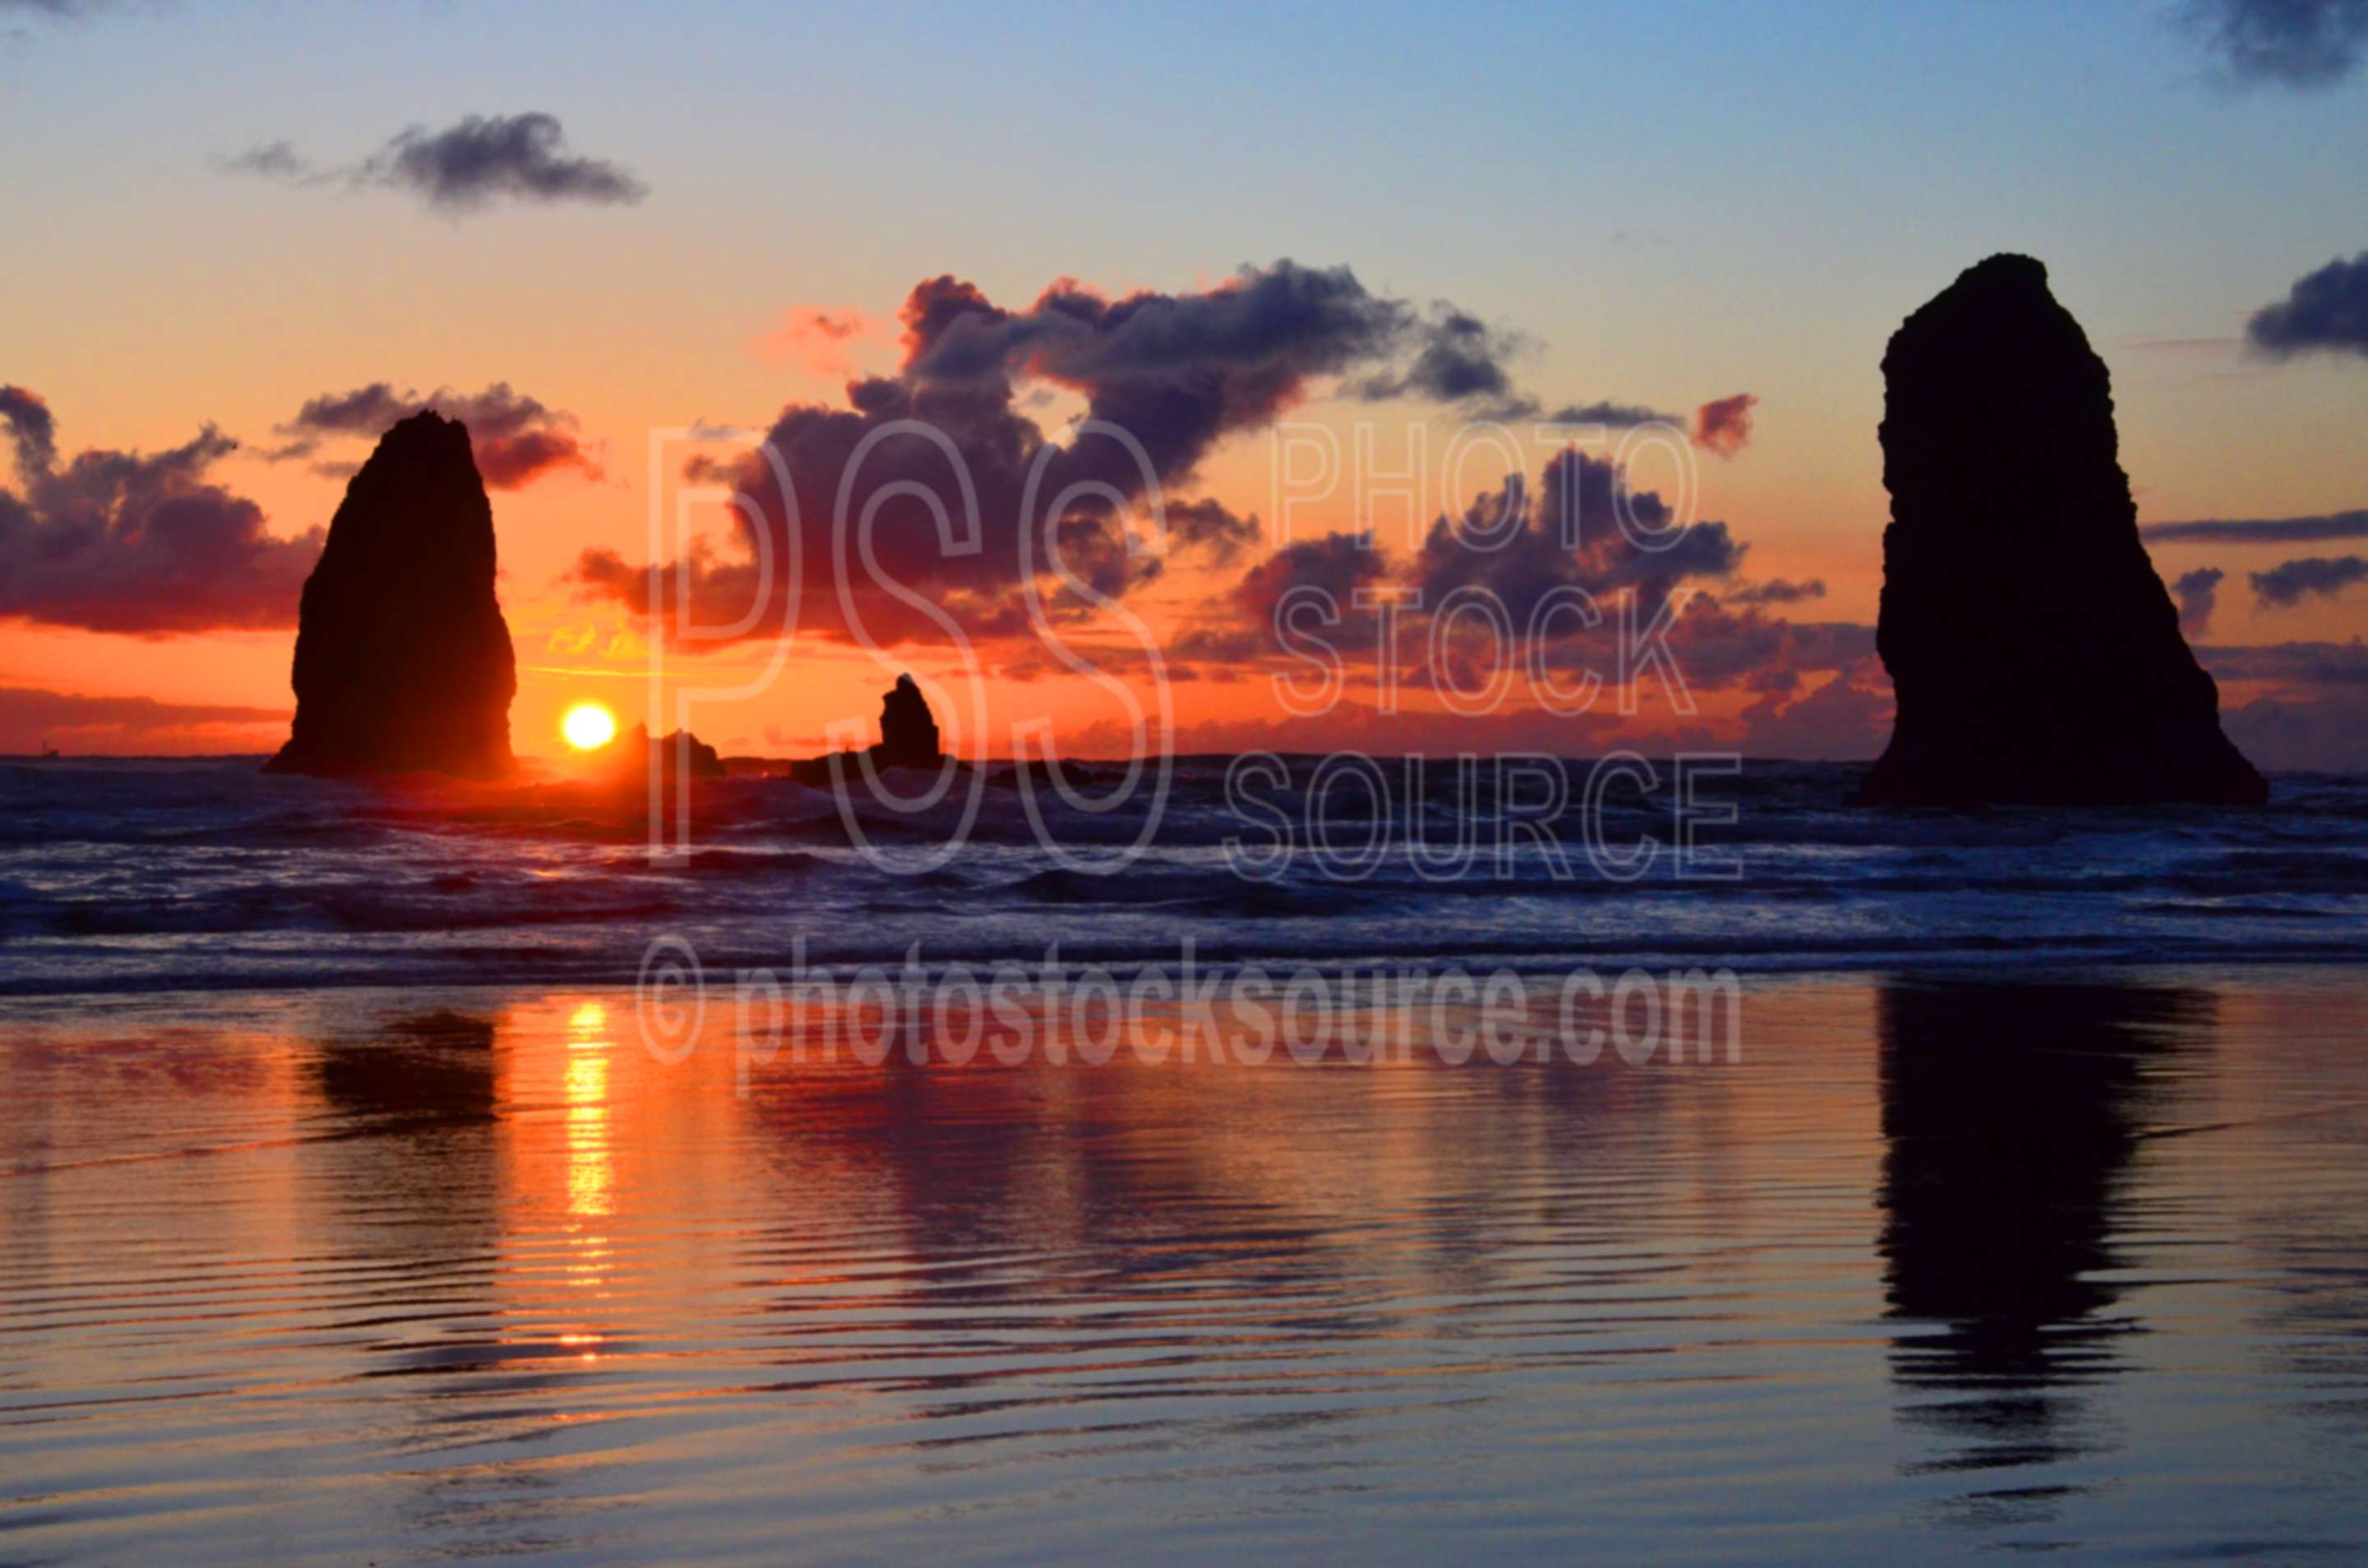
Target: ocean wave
point(140, 875)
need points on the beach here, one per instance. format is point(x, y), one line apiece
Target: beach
point(2068, 1259)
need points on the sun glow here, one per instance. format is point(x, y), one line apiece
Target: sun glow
point(589, 727)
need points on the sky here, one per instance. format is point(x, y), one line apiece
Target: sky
point(223, 214)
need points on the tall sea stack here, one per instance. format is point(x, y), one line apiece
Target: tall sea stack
point(403, 660)
point(2035, 653)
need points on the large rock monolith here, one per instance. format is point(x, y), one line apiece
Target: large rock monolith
point(403, 660)
point(2036, 654)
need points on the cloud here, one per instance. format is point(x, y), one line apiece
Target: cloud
point(144, 544)
point(1777, 591)
point(816, 338)
point(1217, 531)
point(1571, 537)
point(464, 167)
point(1176, 374)
point(1531, 555)
point(1618, 416)
point(2310, 708)
point(2325, 312)
point(2291, 664)
point(2294, 43)
point(1462, 360)
point(2261, 530)
point(32, 720)
point(2197, 592)
point(516, 439)
point(61, 8)
point(272, 160)
point(33, 430)
point(2282, 587)
point(1458, 359)
point(1723, 424)
point(2328, 731)
point(1846, 718)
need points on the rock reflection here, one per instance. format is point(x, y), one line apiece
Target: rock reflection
point(411, 1073)
point(2011, 1115)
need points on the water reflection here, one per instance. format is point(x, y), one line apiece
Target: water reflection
point(492, 1280)
point(2010, 1117)
point(591, 1173)
point(430, 1070)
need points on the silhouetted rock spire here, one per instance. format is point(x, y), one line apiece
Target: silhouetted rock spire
point(908, 738)
point(403, 660)
point(908, 734)
point(2036, 654)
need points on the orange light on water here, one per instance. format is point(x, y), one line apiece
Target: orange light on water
point(589, 727)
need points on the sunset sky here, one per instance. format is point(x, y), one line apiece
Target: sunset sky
point(240, 216)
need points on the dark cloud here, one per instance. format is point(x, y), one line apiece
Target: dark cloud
point(1723, 424)
point(1176, 374)
point(515, 438)
point(139, 543)
point(2262, 531)
point(487, 156)
point(32, 720)
point(31, 427)
point(2282, 587)
point(1335, 565)
point(2325, 312)
point(2295, 43)
point(1217, 531)
point(272, 160)
point(1519, 549)
point(1461, 359)
point(1570, 537)
point(2197, 592)
point(1777, 591)
point(1458, 359)
point(1619, 415)
point(464, 167)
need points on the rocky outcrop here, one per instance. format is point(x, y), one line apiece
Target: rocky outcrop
point(403, 660)
point(908, 734)
point(2036, 655)
point(908, 738)
point(681, 754)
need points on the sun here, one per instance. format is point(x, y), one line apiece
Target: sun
point(589, 727)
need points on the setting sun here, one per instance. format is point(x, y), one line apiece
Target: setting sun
point(589, 727)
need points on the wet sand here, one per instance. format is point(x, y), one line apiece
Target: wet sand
point(1939, 1268)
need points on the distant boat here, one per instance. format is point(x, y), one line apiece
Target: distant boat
point(48, 751)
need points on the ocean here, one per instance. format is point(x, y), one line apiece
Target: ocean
point(181, 875)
